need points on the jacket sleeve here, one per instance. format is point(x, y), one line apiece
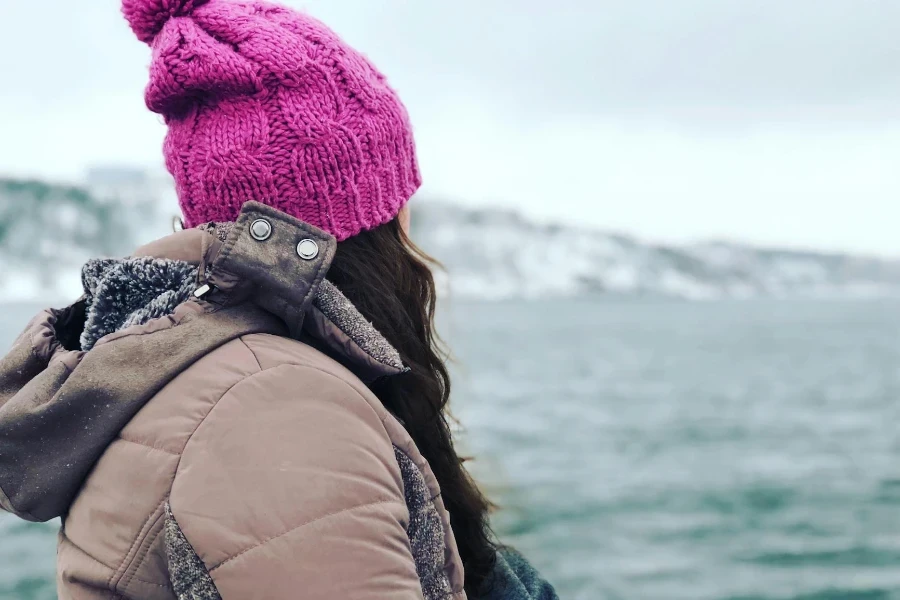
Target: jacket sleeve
point(289, 488)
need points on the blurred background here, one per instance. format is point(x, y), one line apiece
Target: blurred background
point(672, 266)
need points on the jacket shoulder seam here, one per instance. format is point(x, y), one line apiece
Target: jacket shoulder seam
point(94, 559)
point(252, 352)
point(381, 419)
point(91, 556)
point(147, 446)
point(125, 564)
point(224, 393)
point(307, 365)
point(301, 526)
point(142, 552)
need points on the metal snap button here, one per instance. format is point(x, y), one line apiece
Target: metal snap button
point(261, 230)
point(308, 249)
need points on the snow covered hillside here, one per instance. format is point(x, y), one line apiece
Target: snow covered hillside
point(498, 254)
point(47, 231)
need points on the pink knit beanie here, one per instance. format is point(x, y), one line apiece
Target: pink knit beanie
point(264, 103)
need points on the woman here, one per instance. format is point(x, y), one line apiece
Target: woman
point(254, 407)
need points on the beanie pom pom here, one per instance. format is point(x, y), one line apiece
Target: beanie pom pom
point(148, 17)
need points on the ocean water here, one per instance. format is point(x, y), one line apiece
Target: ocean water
point(660, 449)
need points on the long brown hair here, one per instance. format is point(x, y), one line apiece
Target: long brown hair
point(390, 281)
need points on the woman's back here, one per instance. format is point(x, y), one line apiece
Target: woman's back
point(259, 467)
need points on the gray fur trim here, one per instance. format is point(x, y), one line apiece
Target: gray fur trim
point(425, 531)
point(187, 573)
point(219, 230)
point(120, 293)
point(340, 311)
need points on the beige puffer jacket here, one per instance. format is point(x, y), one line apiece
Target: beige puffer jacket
point(230, 449)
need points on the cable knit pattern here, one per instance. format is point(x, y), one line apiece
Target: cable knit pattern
point(268, 104)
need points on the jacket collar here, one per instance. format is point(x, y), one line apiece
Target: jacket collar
point(282, 272)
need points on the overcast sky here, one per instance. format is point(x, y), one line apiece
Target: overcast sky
point(770, 121)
